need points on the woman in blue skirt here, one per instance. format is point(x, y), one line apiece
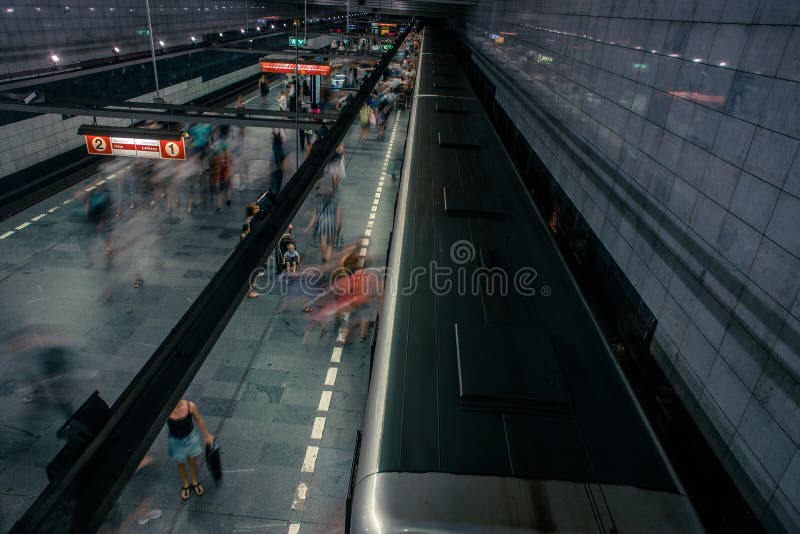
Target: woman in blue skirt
point(185, 445)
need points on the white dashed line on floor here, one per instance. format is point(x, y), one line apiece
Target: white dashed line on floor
point(330, 377)
point(319, 427)
point(23, 225)
point(324, 401)
point(5, 235)
point(310, 459)
point(34, 219)
point(336, 355)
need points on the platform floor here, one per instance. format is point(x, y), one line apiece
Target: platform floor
point(106, 329)
point(283, 401)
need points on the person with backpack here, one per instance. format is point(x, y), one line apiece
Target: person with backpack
point(99, 213)
point(278, 140)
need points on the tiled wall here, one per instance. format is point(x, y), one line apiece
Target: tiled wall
point(78, 30)
point(675, 130)
point(34, 140)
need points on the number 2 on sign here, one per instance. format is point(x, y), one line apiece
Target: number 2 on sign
point(99, 144)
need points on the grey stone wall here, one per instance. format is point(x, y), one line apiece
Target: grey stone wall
point(25, 143)
point(686, 123)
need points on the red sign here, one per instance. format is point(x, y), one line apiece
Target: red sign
point(172, 149)
point(98, 144)
point(138, 148)
point(302, 68)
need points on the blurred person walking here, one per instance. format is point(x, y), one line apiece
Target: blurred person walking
point(327, 216)
point(282, 101)
point(221, 183)
point(98, 209)
point(263, 88)
point(363, 116)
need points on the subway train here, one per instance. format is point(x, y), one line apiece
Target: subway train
point(495, 404)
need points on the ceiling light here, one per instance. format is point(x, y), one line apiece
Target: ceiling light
point(54, 58)
point(161, 43)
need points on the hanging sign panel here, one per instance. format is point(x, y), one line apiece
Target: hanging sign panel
point(302, 68)
point(137, 148)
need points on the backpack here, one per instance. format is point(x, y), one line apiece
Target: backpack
point(99, 202)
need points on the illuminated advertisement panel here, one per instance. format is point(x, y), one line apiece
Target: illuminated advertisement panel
point(302, 68)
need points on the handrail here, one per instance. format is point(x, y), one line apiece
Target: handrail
point(81, 498)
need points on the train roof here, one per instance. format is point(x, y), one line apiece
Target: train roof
point(478, 382)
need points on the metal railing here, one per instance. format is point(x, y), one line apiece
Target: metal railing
point(80, 498)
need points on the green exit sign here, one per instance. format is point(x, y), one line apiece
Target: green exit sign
point(386, 47)
point(296, 42)
point(143, 33)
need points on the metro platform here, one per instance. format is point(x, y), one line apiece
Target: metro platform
point(284, 401)
point(260, 386)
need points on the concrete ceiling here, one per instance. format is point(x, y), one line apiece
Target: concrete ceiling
point(425, 8)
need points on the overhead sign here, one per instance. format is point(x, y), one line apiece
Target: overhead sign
point(386, 46)
point(296, 42)
point(302, 68)
point(138, 148)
